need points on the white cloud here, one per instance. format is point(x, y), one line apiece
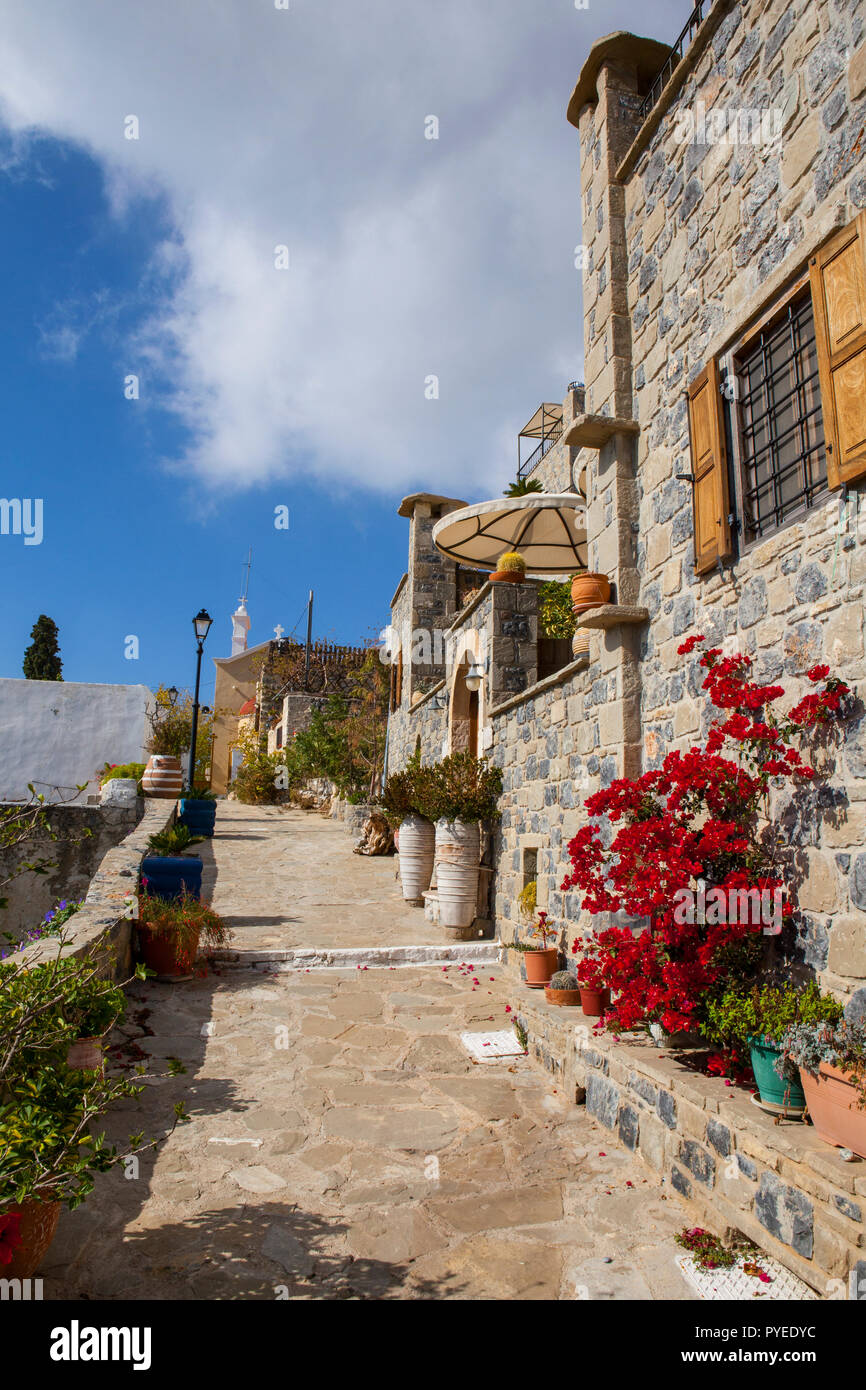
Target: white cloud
point(408, 257)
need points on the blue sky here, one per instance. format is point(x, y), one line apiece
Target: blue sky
point(262, 387)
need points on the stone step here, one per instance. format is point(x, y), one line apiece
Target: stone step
point(349, 957)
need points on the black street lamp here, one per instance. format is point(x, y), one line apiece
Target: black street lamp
point(201, 624)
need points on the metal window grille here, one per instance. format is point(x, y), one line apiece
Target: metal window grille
point(784, 466)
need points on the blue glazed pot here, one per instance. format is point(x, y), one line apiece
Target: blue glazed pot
point(168, 876)
point(198, 816)
point(774, 1090)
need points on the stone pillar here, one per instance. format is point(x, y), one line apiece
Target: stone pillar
point(514, 640)
point(605, 109)
point(432, 589)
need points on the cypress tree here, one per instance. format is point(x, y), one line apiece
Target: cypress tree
point(42, 658)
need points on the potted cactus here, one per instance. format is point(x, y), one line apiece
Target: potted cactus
point(563, 988)
point(510, 569)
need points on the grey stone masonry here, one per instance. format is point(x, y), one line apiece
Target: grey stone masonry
point(734, 1166)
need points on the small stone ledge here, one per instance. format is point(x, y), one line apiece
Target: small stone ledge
point(779, 1184)
point(612, 615)
point(594, 431)
point(533, 691)
point(102, 923)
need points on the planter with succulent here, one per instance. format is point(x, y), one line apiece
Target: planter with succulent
point(755, 1021)
point(831, 1057)
point(562, 989)
point(49, 1152)
point(169, 872)
point(405, 801)
point(510, 569)
point(197, 811)
point(170, 932)
point(461, 792)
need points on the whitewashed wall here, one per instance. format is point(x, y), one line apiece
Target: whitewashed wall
point(57, 734)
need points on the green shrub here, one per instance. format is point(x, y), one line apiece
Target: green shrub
point(409, 792)
point(555, 614)
point(765, 1012)
point(466, 788)
point(113, 770)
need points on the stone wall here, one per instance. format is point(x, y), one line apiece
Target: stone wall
point(778, 1184)
point(84, 834)
point(59, 734)
point(103, 925)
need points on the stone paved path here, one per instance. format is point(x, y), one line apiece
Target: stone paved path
point(343, 1145)
point(287, 878)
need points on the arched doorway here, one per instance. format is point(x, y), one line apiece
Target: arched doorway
point(464, 724)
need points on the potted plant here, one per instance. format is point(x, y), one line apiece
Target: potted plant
point(510, 569)
point(588, 590)
point(757, 1020)
point(162, 776)
point(169, 872)
point(540, 961)
point(171, 930)
point(405, 800)
point(91, 1006)
point(831, 1057)
point(562, 989)
point(48, 1150)
point(462, 791)
point(594, 993)
point(197, 811)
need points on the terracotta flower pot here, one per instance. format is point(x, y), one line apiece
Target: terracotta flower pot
point(562, 996)
point(832, 1102)
point(540, 965)
point(593, 1002)
point(37, 1230)
point(580, 643)
point(164, 954)
point(162, 777)
point(86, 1054)
point(507, 577)
point(589, 591)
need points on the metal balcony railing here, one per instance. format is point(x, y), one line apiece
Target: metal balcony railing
point(528, 464)
point(677, 53)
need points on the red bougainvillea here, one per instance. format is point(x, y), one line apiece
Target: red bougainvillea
point(692, 821)
point(10, 1235)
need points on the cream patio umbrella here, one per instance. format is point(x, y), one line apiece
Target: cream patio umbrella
point(548, 529)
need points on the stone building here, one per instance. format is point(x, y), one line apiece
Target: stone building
point(720, 446)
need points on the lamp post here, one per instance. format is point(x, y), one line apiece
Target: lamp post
point(201, 625)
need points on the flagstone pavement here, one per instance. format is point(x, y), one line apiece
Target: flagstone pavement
point(341, 1142)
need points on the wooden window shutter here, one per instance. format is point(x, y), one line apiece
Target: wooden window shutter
point(838, 275)
point(709, 470)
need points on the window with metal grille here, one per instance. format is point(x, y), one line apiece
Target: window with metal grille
point(781, 427)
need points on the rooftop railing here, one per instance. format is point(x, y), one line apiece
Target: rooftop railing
point(677, 53)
